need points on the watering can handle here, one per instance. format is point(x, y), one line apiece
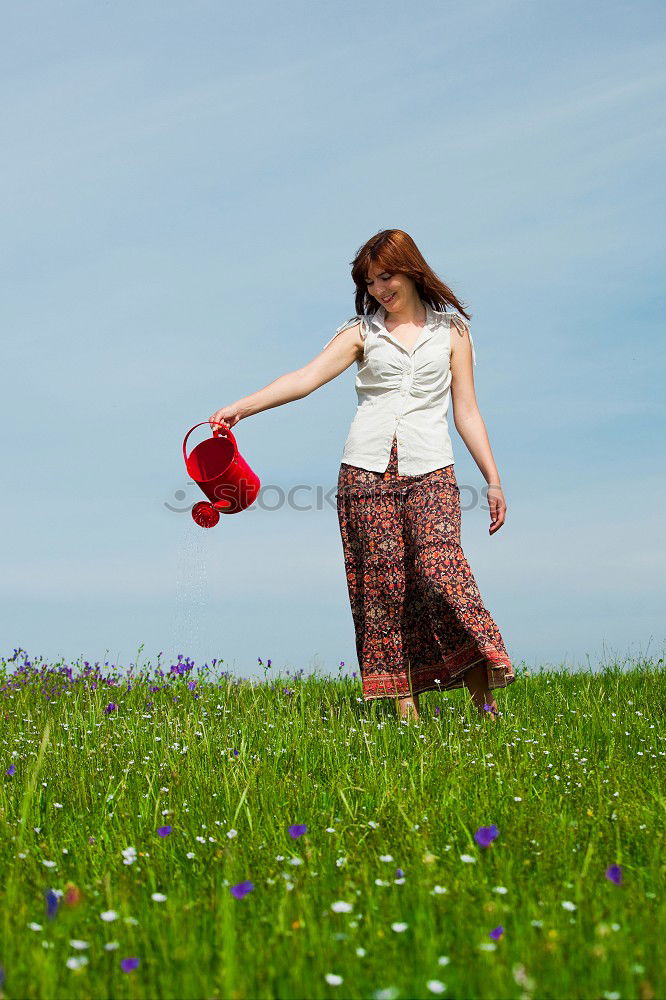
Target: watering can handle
point(215, 434)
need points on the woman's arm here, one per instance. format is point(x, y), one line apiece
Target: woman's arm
point(328, 364)
point(471, 427)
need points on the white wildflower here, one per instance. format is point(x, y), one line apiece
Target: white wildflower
point(77, 961)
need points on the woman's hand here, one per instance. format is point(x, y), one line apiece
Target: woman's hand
point(228, 415)
point(497, 505)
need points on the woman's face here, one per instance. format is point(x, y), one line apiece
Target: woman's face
point(393, 291)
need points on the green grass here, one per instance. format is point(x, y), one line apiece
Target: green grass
point(571, 775)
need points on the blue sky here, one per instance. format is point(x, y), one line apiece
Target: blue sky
point(184, 187)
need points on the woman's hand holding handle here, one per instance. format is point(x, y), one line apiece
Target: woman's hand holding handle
point(227, 415)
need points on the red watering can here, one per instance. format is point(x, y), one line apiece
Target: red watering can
point(222, 473)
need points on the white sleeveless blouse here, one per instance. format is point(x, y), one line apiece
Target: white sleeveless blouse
point(403, 393)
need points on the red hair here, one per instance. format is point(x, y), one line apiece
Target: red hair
point(394, 250)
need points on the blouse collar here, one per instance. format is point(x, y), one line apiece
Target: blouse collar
point(378, 318)
point(433, 319)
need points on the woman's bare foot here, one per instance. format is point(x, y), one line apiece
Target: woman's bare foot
point(409, 708)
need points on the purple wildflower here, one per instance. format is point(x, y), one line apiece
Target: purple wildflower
point(400, 873)
point(127, 964)
point(51, 902)
point(497, 933)
point(485, 835)
point(164, 831)
point(297, 830)
point(242, 889)
point(11, 770)
point(614, 874)
point(191, 685)
point(111, 707)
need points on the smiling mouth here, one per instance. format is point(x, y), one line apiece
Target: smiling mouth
point(390, 299)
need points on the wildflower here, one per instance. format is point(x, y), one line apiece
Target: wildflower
point(568, 905)
point(385, 857)
point(11, 770)
point(614, 874)
point(241, 889)
point(158, 897)
point(333, 980)
point(129, 855)
point(73, 894)
point(111, 707)
point(297, 830)
point(52, 902)
point(164, 831)
point(467, 858)
point(496, 933)
point(79, 945)
point(398, 927)
point(77, 961)
point(109, 915)
point(49, 864)
point(435, 986)
point(111, 945)
point(128, 964)
point(34, 927)
point(485, 835)
point(232, 833)
point(342, 907)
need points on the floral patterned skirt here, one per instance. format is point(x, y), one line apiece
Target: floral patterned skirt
point(419, 619)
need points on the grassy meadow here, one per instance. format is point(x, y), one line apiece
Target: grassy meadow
point(170, 831)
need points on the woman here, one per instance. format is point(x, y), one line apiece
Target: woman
point(419, 619)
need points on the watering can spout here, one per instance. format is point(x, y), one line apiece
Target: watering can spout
point(221, 472)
